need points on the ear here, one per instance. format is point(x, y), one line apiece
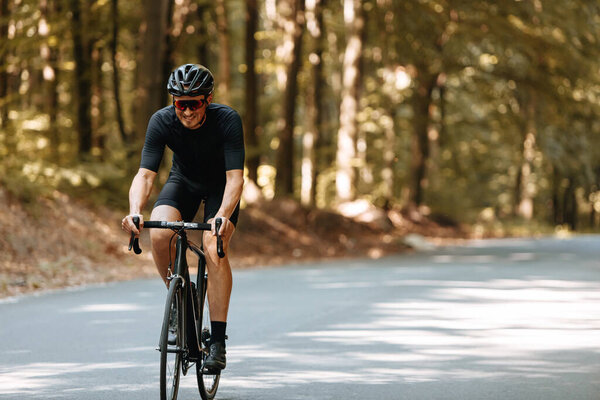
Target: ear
point(210, 98)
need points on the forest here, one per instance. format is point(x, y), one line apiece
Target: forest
point(460, 110)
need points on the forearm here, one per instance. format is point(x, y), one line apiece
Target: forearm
point(140, 190)
point(232, 193)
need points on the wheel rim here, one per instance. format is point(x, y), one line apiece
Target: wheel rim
point(207, 382)
point(173, 359)
point(170, 354)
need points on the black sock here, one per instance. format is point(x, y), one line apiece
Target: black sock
point(217, 329)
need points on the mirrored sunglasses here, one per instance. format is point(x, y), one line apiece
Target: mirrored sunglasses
point(193, 105)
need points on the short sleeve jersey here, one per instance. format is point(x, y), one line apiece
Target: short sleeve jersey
point(200, 156)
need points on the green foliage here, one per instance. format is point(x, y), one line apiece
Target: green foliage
point(490, 62)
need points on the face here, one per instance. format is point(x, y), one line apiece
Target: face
point(190, 118)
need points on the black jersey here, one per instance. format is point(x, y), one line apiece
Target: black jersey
point(200, 156)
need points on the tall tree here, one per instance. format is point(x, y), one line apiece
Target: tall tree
point(364, 171)
point(312, 137)
point(431, 27)
point(49, 52)
point(224, 82)
point(346, 142)
point(202, 49)
point(251, 92)
point(4, 18)
point(424, 86)
point(169, 40)
point(98, 104)
point(82, 54)
point(151, 83)
point(114, 44)
point(284, 180)
point(526, 180)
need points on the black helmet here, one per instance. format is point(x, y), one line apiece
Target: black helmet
point(190, 80)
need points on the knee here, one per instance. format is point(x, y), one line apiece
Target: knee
point(160, 237)
point(210, 250)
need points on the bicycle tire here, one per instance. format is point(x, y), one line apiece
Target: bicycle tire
point(171, 356)
point(208, 382)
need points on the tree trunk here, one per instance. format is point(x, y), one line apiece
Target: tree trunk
point(116, 80)
point(49, 55)
point(151, 83)
point(570, 205)
point(425, 83)
point(284, 180)
point(593, 216)
point(346, 142)
point(224, 79)
point(202, 50)
point(168, 60)
point(4, 18)
point(312, 141)
point(389, 156)
point(251, 93)
point(318, 84)
point(527, 179)
point(308, 152)
point(556, 206)
point(364, 172)
point(83, 81)
point(98, 111)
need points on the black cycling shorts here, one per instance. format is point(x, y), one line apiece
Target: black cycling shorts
point(176, 194)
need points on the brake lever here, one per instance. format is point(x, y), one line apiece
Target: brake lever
point(134, 242)
point(220, 250)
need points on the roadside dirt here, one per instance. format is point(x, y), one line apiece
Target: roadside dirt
point(60, 242)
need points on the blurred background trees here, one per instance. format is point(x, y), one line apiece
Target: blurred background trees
point(475, 111)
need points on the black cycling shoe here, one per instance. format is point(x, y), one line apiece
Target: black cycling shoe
point(216, 360)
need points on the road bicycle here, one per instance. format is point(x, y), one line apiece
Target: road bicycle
point(186, 315)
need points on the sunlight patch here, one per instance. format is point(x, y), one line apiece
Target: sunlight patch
point(106, 308)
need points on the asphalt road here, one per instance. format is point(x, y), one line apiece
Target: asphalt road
point(500, 319)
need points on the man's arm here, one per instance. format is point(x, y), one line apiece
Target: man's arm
point(140, 190)
point(231, 196)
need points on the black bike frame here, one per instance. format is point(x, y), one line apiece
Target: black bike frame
point(191, 307)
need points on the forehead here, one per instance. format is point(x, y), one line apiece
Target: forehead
point(201, 97)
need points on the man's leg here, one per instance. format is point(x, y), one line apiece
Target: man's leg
point(161, 237)
point(219, 278)
point(219, 292)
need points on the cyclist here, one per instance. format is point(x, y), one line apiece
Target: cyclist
point(208, 161)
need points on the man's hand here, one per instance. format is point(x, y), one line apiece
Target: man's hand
point(128, 226)
point(226, 230)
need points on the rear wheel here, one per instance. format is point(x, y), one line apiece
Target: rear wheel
point(171, 354)
point(208, 381)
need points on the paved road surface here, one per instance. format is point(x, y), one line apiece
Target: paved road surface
point(501, 319)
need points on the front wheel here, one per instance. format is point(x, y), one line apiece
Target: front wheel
point(171, 354)
point(208, 381)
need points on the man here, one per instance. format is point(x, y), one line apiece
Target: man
point(208, 161)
